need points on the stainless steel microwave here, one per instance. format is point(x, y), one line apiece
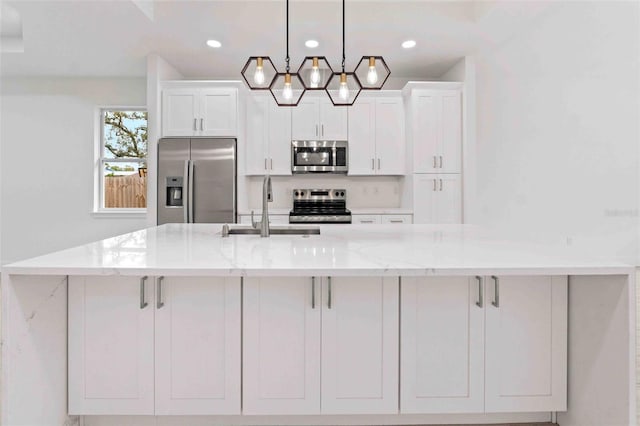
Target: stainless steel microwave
point(319, 157)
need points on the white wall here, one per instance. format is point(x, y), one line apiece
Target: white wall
point(47, 150)
point(557, 122)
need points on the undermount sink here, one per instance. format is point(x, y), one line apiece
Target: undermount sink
point(273, 230)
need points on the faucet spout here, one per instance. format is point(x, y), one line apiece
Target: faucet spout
point(267, 197)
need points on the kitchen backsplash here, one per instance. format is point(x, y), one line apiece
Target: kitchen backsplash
point(362, 192)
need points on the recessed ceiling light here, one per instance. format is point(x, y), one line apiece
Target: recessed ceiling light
point(214, 43)
point(311, 43)
point(409, 44)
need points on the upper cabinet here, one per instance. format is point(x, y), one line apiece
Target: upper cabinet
point(436, 127)
point(316, 118)
point(268, 130)
point(376, 137)
point(198, 111)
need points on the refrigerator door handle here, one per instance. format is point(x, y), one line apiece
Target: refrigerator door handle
point(185, 194)
point(192, 169)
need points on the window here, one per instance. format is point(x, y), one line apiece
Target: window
point(122, 163)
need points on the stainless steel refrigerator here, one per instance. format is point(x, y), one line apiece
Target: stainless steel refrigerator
point(196, 180)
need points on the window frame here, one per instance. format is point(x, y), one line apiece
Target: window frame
point(99, 210)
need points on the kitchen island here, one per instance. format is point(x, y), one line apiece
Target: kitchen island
point(394, 324)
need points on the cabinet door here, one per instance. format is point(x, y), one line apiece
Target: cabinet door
point(449, 199)
point(110, 345)
point(425, 191)
point(304, 120)
point(365, 219)
point(333, 121)
point(281, 346)
point(257, 131)
point(526, 344)
point(360, 345)
point(218, 112)
point(450, 133)
point(197, 346)
point(179, 112)
point(362, 128)
point(426, 137)
point(442, 347)
point(279, 139)
point(390, 142)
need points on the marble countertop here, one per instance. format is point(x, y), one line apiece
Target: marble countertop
point(340, 250)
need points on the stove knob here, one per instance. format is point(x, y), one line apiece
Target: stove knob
point(337, 193)
point(296, 193)
point(302, 193)
point(342, 193)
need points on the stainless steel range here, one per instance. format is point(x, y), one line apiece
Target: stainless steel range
point(320, 206)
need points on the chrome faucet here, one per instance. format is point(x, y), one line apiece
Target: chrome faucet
point(267, 197)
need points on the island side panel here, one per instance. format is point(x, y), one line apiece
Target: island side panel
point(34, 350)
point(601, 380)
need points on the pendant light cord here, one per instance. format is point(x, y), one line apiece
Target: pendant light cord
point(343, 56)
point(287, 58)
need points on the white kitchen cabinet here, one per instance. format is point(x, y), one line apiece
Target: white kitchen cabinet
point(396, 218)
point(381, 218)
point(526, 344)
point(320, 345)
point(365, 218)
point(442, 346)
point(360, 345)
point(268, 129)
point(436, 131)
point(376, 137)
point(198, 111)
point(281, 346)
point(437, 198)
point(197, 341)
point(111, 345)
point(316, 118)
point(116, 368)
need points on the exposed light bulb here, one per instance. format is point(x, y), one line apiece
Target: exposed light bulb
point(343, 91)
point(372, 74)
point(315, 73)
point(258, 76)
point(287, 92)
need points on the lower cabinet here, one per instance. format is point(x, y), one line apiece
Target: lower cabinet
point(320, 345)
point(518, 323)
point(437, 198)
point(144, 346)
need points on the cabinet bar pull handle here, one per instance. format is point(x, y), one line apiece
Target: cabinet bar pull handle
point(322, 130)
point(265, 164)
point(316, 130)
point(373, 164)
point(440, 184)
point(435, 182)
point(441, 161)
point(378, 164)
point(271, 163)
point(496, 289)
point(313, 292)
point(329, 301)
point(396, 221)
point(435, 162)
point(159, 302)
point(195, 124)
point(202, 126)
point(143, 303)
point(480, 301)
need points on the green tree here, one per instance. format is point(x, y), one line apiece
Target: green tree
point(126, 133)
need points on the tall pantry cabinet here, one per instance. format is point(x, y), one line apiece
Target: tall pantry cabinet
point(434, 133)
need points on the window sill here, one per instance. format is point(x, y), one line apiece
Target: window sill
point(120, 213)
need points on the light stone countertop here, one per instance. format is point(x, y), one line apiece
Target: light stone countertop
point(340, 250)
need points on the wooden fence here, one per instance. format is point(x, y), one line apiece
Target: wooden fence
point(125, 191)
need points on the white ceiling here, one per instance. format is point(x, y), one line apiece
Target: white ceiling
point(113, 37)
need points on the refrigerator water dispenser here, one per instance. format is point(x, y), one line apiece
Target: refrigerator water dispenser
point(174, 191)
